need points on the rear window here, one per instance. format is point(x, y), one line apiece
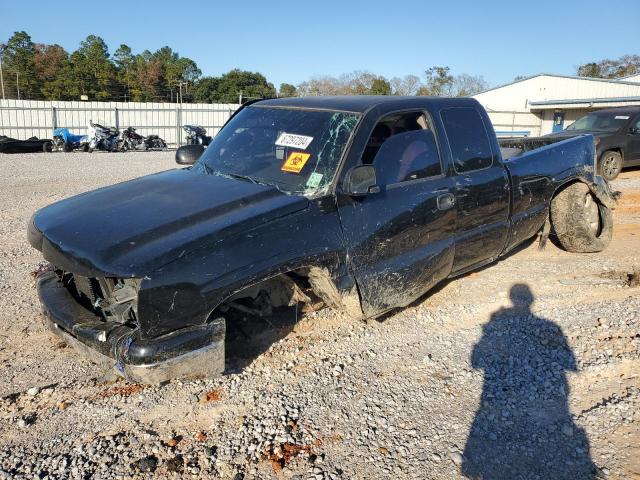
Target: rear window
point(468, 139)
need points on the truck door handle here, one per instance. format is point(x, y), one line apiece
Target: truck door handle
point(446, 201)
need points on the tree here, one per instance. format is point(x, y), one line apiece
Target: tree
point(250, 84)
point(93, 73)
point(206, 90)
point(19, 68)
point(465, 85)
point(287, 90)
point(607, 68)
point(438, 82)
point(320, 85)
point(51, 63)
point(380, 86)
point(125, 63)
point(407, 85)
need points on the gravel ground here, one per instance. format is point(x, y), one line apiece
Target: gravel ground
point(527, 369)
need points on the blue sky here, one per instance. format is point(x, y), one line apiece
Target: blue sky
point(290, 41)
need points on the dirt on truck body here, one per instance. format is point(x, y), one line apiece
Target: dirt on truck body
point(358, 203)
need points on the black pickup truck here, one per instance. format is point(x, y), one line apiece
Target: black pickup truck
point(362, 202)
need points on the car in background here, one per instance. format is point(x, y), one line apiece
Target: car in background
point(617, 136)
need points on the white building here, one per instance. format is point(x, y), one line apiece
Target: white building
point(544, 103)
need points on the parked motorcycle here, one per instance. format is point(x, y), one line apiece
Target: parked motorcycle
point(102, 138)
point(132, 140)
point(196, 135)
point(65, 141)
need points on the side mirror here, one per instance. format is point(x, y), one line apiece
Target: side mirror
point(361, 180)
point(634, 130)
point(188, 154)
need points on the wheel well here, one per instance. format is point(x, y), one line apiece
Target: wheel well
point(312, 286)
point(615, 149)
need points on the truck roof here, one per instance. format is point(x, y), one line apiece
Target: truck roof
point(360, 103)
point(631, 109)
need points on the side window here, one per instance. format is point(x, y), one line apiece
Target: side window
point(403, 147)
point(468, 138)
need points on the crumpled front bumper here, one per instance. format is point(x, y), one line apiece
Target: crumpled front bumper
point(190, 352)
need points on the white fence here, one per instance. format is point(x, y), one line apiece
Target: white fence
point(23, 119)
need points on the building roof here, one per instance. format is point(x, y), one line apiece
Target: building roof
point(584, 100)
point(573, 77)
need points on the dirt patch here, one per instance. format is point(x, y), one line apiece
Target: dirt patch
point(123, 391)
point(280, 455)
point(630, 279)
point(211, 396)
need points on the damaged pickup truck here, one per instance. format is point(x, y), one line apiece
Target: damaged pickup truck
point(362, 202)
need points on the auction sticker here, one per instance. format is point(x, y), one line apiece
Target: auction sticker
point(295, 162)
point(292, 140)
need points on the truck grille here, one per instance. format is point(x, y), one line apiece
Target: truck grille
point(112, 299)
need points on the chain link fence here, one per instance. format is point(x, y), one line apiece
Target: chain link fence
point(23, 119)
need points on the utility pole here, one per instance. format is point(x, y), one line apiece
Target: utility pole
point(18, 82)
point(240, 97)
point(2, 47)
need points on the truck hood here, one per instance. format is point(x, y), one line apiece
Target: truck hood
point(133, 228)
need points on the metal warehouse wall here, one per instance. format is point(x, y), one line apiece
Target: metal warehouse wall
point(23, 119)
point(519, 123)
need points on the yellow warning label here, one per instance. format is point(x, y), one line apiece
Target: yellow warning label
point(295, 162)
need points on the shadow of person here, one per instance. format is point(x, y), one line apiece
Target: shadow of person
point(523, 428)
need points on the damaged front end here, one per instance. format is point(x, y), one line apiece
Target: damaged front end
point(98, 316)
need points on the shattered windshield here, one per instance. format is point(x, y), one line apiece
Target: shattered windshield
point(295, 150)
point(600, 122)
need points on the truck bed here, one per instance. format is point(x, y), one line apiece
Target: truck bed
point(515, 146)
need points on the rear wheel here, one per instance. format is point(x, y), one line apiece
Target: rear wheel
point(581, 224)
point(610, 165)
point(66, 147)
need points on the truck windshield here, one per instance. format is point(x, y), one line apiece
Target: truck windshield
point(294, 150)
point(601, 122)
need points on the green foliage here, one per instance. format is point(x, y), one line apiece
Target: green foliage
point(92, 72)
point(49, 72)
point(380, 86)
point(439, 82)
point(250, 84)
point(287, 90)
point(19, 68)
point(206, 90)
point(607, 68)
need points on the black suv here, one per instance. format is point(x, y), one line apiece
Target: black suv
point(617, 134)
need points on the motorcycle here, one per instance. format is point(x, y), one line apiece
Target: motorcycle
point(132, 140)
point(65, 141)
point(196, 135)
point(102, 138)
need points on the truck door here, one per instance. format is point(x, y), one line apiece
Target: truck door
point(400, 238)
point(633, 151)
point(481, 189)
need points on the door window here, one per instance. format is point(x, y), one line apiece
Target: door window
point(403, 147)
point(468, 139)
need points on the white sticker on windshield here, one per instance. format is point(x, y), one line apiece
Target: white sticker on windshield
point(314, 180)
point(292, 140)
point(622, 117)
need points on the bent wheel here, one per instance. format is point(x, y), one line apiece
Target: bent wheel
point(581, 224)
